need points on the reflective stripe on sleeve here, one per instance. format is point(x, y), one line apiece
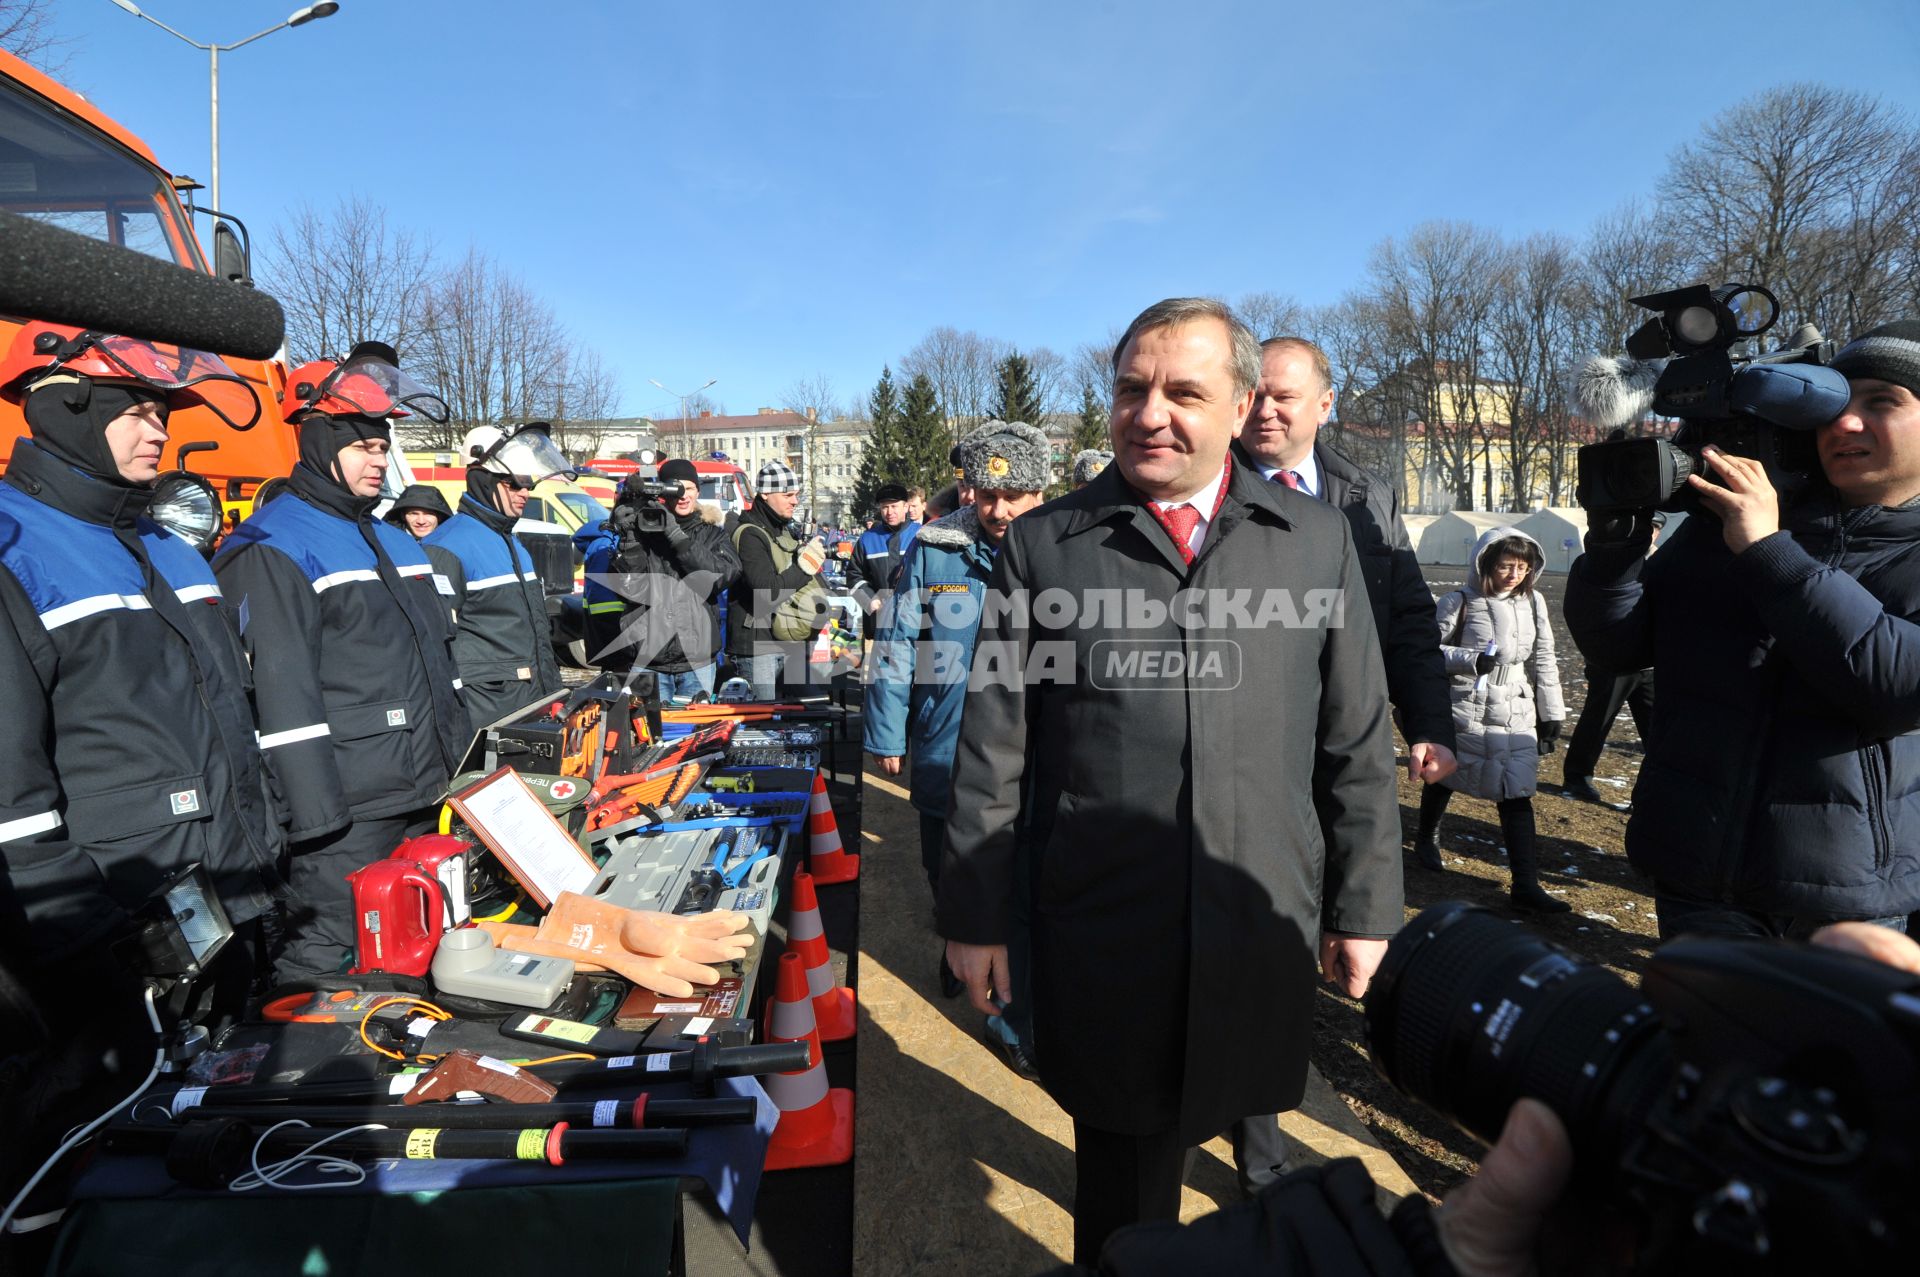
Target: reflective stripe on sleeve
point(331, 579)
point(54, 618)
point(292, 734)
point(488, 582)
point(613, 605)
point(194, 593)
point(414, 569)
point(27, 826)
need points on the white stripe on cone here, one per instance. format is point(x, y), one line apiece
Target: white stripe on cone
point(793, 1092)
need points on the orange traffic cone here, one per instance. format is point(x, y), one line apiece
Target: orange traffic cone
point(827, 857)
point(833, 1013)
point(816, 1123)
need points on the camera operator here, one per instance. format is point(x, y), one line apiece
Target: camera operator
point(1781, 787)
point(673, 560)
point(773, 609)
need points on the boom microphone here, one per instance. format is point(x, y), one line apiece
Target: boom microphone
point(1612, 390)
point(59, 277)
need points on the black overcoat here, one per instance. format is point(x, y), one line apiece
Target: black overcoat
point(1189, 837)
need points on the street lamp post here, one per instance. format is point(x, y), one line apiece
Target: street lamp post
point(683, 408)
point(299, 17)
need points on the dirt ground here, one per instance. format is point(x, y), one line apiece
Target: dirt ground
point(1583, 862)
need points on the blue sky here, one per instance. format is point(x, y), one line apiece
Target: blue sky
point(763, 192)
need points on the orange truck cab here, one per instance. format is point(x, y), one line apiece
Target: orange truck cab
point(64, 162)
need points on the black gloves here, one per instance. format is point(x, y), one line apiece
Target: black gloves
point(625, 520)
point(1549, 733)
point(1484, 663)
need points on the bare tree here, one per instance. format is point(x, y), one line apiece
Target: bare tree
point(346, 276)
point(1538, 318)
point(1777, 188)
point(1271, 314)
point(27, 32)
point(963, 368)
point(1434, 292)
point(583, 404)
point(813, 400)
point(496, 351)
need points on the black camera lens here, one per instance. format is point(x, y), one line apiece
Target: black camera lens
point(1470, 1012)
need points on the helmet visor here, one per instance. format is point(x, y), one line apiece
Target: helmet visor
point(372, 387)
point(531, 453)
point(185, 375)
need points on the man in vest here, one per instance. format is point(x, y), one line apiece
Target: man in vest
point(349, 635)
point(775, 568)
point(503, 643)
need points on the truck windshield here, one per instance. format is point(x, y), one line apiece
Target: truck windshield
point(57, 170)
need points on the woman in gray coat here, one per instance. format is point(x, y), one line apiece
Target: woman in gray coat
point(1505, 688)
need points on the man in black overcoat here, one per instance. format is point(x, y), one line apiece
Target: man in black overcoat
point(1178, 710)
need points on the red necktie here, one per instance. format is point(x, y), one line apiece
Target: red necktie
point(1181, 520)
point(1287, 477)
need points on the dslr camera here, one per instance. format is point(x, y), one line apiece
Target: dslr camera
point(1754, 1106)
point(1681, 363)
point(642, 506)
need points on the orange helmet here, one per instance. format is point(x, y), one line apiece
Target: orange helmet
point(367, 383)
point(186, 377)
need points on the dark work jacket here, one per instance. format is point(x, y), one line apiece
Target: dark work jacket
point(877, 556)
point(760, 581)
point(503, 641)
point(668, 585)
point(129, 751)
point(1782, 774)
point(1403, 608)
point(1190, 836)
point(354, 686)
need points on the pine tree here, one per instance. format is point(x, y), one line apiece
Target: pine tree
point(1091, 430)
point(925, 441)
point(1015, 397)
point(880, 461)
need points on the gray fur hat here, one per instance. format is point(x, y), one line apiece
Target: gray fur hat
point(1006, 454)
point(1089, 462)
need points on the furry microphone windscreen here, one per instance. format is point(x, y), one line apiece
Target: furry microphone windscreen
point(1612, 390)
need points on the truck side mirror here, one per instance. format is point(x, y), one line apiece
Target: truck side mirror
point(229, 257)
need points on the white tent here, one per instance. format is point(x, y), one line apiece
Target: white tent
point(1416, 526)
point(1560, 530)
point(1449, 539)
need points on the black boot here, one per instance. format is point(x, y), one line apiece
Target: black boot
point(1523, 858)
point(1426, 840)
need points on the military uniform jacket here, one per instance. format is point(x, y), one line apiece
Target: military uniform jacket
point(503, 644)
point(918, 673)
point(354, 686)
point(129, 750)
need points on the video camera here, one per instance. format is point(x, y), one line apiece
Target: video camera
point(1681, 364)
point(1754, 1106)
point(642, 506)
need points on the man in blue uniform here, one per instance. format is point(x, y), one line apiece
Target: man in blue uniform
point(129, 751)
point(349, 634)
point(503, 643)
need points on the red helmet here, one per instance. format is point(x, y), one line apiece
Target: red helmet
point(187, 377)
point(368, 383)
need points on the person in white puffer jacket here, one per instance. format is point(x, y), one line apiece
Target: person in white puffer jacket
point(1505, 688)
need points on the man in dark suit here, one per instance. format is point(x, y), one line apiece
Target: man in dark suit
point(1282, 441)
point(1187, 732)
